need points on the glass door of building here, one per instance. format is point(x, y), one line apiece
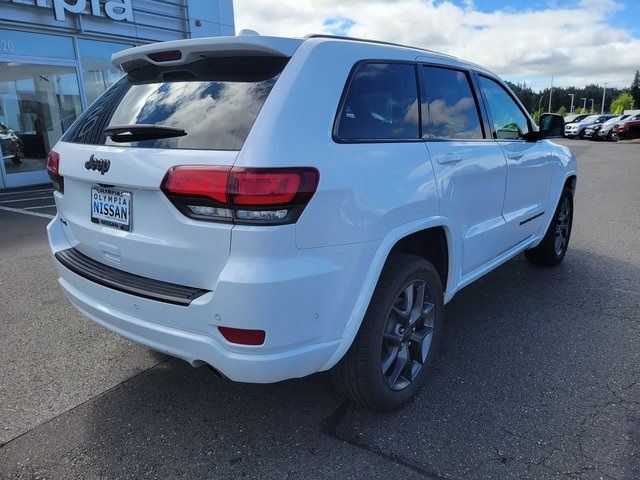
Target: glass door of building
point(38, 102)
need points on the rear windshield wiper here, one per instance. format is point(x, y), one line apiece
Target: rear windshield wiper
point(142, 131)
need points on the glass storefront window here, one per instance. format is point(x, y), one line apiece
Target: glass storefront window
point(37, 104)
point(97, 70)
point(13, 42)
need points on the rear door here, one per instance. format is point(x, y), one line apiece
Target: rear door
point(529, 164)
point(470, 168)
point(112, 205)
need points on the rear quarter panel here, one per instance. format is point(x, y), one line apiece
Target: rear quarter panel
point(365, 190)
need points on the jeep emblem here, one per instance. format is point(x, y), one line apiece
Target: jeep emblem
point(100, 164)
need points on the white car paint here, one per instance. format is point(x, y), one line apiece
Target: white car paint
point(306, 284)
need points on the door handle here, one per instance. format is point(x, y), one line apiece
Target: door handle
point(448, 159)
point(515, 155)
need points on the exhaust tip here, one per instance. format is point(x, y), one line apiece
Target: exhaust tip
point(218, 373)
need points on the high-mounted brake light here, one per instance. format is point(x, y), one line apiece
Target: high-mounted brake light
point(244, 195)
point(168, 56)
point(53, 169)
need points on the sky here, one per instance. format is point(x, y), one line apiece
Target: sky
point(578, 42)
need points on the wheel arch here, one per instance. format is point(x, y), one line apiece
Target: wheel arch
point(401, 237)
point(431, 244)
point(570, 182)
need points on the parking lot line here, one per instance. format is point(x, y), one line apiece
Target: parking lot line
point(39, 206)
point(26, 212)
point(26, 191)
point(13, 200)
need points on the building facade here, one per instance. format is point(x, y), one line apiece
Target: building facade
point(55, 60)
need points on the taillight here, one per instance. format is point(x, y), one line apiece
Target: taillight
point(243, 195)
point(242, 336)
point(167, 56)
point(210, 182)
point(53, 169)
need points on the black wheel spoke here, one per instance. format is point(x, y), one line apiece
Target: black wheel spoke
point(388, 362)
point(562, 226)
point(401, 362)
point(422, 343)
point(393, 338)
point(408, 333)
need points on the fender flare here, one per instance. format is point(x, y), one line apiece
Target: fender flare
point(377, 263)
point(556, 200)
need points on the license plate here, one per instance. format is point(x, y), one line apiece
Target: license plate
point(111, 207)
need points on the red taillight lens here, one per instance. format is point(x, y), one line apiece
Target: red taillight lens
point(242, 336)
point(168, 56)
point(244, 195)
point(271, 187)
point(198, 181)
point(53, 163)
point(53, 169)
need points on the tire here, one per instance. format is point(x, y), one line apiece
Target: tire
point(581, 135)
point(385, 348)
point(615, 136)
point(553, 247)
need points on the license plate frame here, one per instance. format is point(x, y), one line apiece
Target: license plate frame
point(121, 203)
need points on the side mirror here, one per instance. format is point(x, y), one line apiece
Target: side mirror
point(551, 125)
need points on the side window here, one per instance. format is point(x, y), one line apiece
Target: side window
point(449, 109)
point(508, 120)
point(381, 104)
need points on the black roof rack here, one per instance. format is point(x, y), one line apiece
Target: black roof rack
point(377, 42)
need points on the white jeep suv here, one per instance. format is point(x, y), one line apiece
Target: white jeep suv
point(274, 207)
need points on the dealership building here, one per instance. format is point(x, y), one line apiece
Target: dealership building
point(55, 61)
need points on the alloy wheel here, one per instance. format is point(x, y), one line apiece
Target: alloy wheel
point(563, 226)
point(408, 335)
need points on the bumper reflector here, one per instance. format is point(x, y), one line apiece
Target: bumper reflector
point(242, 336)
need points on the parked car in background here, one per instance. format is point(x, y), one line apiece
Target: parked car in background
point(591, 130)
point(575, 118)
point(10, 144)
point(607, 130)
point(629, 129)
point(577, 129)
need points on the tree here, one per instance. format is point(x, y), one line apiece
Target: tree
point(562, 111)
point(635, 89)
point(536, 116)
point(623, 102)
point(532, 99)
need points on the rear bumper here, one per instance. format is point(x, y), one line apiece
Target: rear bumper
point(197, 348)
point(301, 305)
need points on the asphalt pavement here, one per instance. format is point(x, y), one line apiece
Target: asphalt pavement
point(539, 374)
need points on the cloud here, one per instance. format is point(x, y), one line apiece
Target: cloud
point(576, 44)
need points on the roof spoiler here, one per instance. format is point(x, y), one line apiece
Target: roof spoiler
point(179, 52)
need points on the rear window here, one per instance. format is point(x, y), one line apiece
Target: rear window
point(215, 101)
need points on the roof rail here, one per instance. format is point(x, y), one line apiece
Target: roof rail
point(377, 42)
